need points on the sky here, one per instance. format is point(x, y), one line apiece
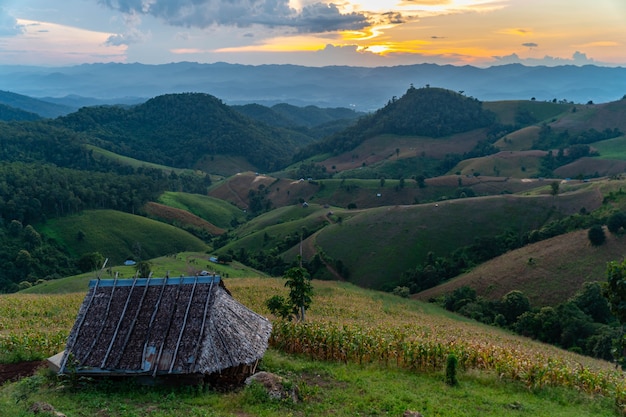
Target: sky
point(314, 32)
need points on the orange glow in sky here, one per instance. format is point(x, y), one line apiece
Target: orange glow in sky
point(357, 32)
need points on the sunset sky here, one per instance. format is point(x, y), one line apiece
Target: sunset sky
point(314, 32)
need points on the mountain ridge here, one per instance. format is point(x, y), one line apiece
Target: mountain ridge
point(332, 86)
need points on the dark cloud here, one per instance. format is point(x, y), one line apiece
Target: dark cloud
point(320, 17)
point(8, 24)
point(314, 18)
point(530, 45)
point(394, 17)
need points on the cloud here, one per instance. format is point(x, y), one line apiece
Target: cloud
point(314, 18)
point(131, 35)
point(530, 45)
point(578, 58)
point(9, 25)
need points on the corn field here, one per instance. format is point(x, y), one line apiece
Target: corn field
point(34, 327)
point(349, 325)
point(413, 349)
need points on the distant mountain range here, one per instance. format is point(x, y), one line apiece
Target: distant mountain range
point(359, 88)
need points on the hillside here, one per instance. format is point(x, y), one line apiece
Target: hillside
point(125, 236)
point(540, 270)
point(184, 131)
point(40, 108)
point(8, 113)
point(375, 246)
point(287, 115)
point(432, 112)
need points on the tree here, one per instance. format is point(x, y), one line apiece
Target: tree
point(555, 188)
point(279, 306)
point(615, 289)
point(616, 222)
point(615, 293)
point(513, 305)
point(596, 235)
point(144, 269)
point(90, 261)
point(300, 290)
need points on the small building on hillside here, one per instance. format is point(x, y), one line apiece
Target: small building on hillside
point(187, 328)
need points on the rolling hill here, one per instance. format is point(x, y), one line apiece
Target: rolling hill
point(184, 130)
point(119, 236)
point(547, 272)
point(33, 106)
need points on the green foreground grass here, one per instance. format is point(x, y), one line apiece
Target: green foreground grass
point(324, 389)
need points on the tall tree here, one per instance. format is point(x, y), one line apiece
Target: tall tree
point(300, 289)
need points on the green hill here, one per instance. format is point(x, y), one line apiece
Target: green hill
point(375, 246)
point(119, 236)
point(547, 272)
point(184, 130)
point(8, 113)
point(33, 106)
point(432, 112)
point(216, 211)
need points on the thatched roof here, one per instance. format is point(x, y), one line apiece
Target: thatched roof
point(163, 326)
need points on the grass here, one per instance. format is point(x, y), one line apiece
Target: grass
point(325, 387)
point(611, 148)
point(120, 235)
point(184, 263)
point(213, 210)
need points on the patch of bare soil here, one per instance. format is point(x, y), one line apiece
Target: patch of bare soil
point(15, 371)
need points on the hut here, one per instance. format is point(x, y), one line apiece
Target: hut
point(184, 329)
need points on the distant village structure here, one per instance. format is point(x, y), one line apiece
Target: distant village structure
point(185, 329)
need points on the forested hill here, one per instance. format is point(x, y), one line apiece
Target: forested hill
point(433, 112)
point(181, 130)
point(8, 113)
point(31, 105)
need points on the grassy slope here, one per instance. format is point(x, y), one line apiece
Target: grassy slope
point(365, 240)
point(116, 235)
point(340, 389)
point(184, 263)
point(507, 110)
point(540, 270)
point(213, 210)
point(368, 241)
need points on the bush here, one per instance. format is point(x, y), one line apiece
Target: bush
point(451, 367)
point(596, 235)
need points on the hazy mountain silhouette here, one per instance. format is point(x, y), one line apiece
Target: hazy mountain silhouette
point(361, 88)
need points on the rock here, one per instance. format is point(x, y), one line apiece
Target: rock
point(277, 387)
point(37, 408)
point(409, 413)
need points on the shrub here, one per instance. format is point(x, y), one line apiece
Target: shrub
point(596, 235)
point(451, 367)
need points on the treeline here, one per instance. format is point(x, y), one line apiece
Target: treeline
point(28, 257)
point(433, 112)
point(31, 193)
point(583, 324)
point(549, 138)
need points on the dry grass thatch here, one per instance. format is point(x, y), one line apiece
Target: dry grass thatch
point(164, 326)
